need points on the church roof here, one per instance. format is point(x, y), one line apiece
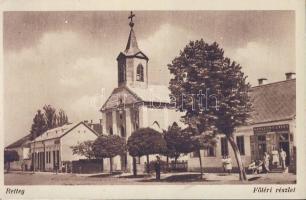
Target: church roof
point(131, 95)
point(153, 93)
point(274, 101)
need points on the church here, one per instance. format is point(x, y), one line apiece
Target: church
point(135, 103)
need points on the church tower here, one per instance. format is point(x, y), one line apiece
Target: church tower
point(132, 62)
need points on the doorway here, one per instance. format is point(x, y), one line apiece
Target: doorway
point(285, 147)
point(123, 160)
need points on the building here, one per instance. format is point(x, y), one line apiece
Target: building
point(52, 148)
point(22, 147)
point(272, 128)
point(135, 103)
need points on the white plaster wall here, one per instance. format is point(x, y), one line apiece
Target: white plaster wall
point(78, 134)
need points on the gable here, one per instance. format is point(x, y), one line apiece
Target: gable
point(118, 94)
point(81, 132)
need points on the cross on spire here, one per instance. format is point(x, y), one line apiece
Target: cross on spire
point(131, 18)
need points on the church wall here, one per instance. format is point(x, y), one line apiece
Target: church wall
point(130, 70)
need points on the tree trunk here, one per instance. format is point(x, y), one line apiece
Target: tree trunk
point(134, 167)
point(201, 167)
point(110, 165)
point(175, 161)
point(148, 166)
point(242, 174)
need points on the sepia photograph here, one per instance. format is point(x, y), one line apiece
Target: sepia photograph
point(150, 98)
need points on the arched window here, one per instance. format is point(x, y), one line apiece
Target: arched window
point(139, 75)
point(122, 131)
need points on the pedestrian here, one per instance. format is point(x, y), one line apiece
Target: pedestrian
point(228, 164)
point(275, 158)
point(223, 160)
point(56, 167)
point(157, 168)
point(266, 162)
point(283, 156)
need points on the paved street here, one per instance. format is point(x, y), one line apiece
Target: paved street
point(45, 178)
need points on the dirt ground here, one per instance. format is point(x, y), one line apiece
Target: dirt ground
point(44, 178)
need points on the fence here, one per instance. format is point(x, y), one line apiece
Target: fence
point(87, 166)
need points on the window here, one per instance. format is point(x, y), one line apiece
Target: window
point(139, 73)
point(111, 131)
point(240, 144)
point(210, 152)
point(122, 131)
point(224, 146)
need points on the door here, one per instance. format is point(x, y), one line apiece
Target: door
point(123, 160)
point(285, 147)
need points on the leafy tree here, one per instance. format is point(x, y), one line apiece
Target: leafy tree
point(50, 116)
point(39, 125)
point(62, 118)
point(109, 146)
point(178, 142)
point(201, 141)
point(10, 156)
point(235, 106)
point(84, 149)
point(144, 142)
point(211, 90)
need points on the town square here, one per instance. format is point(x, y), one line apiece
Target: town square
point(107, 107)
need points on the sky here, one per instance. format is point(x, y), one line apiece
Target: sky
point(68, 59)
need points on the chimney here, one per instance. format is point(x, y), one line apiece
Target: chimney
point(290, 75)
point(91, 122)
point(262, 81)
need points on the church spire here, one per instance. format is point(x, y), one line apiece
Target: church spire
point(131, 46)
point(132, 62)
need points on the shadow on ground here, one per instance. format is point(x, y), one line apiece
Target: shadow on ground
point(137, 176)
point(254, 178)
point(105, 175)
point(181, 178)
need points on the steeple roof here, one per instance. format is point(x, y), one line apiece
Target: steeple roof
point(131, 46)
point(132, 49)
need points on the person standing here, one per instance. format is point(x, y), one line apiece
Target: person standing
point(228, 165)
point(157, 168)
point(275, 158)
point(283, 156)
point(267, 162)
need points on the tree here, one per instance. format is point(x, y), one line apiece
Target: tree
point(144, 142)
point(50, 116)
point(235, 106)
point(10, 156)
point(39, 125)
point(109, 146)
point(178, 142)
point(211, 90)
point(84, 149)
point(201, 141)
point(62, 118)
